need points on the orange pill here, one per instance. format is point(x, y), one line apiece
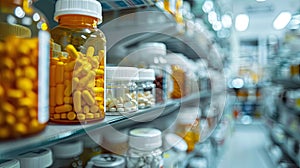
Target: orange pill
point(52, 75)
point(68, 90)
point(56, 116)
point(68, 100)
point(59, 73)
point(67, 75)
point(63, 115)
point(63, 108)
point(70, 66)
point(59, 94)
point(52, 96)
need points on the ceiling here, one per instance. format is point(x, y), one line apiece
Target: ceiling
point(261, 15)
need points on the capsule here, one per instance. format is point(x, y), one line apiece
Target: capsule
point(59, 73)
point(72, 51)
point(77, 101)
point(59, 94)
point(88, 97)
point(63, 108)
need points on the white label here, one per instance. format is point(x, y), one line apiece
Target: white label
point(43, 74)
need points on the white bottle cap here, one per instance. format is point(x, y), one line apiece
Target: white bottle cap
point(146, 74)
point(36, 159)
point(13, 163)
point(91, 8)
point(173, 141)
point(106, 161)
point(68, 149)
point(122, 73)
point(145, 138)
point(154, 48)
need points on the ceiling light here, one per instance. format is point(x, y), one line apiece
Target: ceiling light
point(282, 20)
point(241, 22)
point(207, 6)
point(260, 0)
point(226, 21)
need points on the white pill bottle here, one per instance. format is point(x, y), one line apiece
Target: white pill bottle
point(121, 90)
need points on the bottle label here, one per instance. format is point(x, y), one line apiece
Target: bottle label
point(43, 74)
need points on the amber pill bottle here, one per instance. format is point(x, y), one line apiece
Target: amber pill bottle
point(77, 65)
point(24, 69)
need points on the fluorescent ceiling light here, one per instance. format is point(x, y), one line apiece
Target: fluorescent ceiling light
point(226, 21)
point(260, 0)
point(282, 20)
point(241, 22)
point(207, 6)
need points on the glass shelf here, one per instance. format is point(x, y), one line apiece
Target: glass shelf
point(57, 133)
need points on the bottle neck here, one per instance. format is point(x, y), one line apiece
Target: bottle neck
point(78, 21)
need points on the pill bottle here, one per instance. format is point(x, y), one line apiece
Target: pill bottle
point(146, 88)
point(187, 127)
point(178, 72)
point(175, 150)
point(10, 163)
point(121, 90)
point(107, 161)
point(39, 158)
point(91, 147)
point(24, 50)
point(145, 148)
point(67, 154)
point(77, 63)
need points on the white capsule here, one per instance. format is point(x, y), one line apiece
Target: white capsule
point(120, 109)
point(112, 109)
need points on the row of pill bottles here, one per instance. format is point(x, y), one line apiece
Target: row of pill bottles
point(24, 70)
point(77, 65)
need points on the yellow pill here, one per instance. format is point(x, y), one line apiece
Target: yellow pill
point(86, 66)
point(59, 94)
point(99, 83)
point(30, 72)
point(94, 62)
point(97, 115)
point(14, 93)
point(33, 113)
point(77, 101)
point(99, 72)
point(71, 115)
point(7, 63)
point(62, 58)
point(98, 89)
point(81, 116)
point(88, 98)
point(21, 128)
point(63, 115)
point(91, 84)
point(72, 51)
point(24, 84)
point(56, 116)
point(7, 107)
point(68, 90)
point(70, 66)
point(52, 96)
point(23, 61)
point(19, 72)
point(21, 112)
point(68, 100)
point(52, 75)
point(27, 102)
point(89, 115)
point(90, 51)
point(86, 109)
point(59, 73)
point(10, 119)
point(54, 60)
point(63, 108)
point(24, 49)
point(85, 80)
point(94, 109)
point(32, 95)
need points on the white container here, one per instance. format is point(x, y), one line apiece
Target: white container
point(145, 148)
point(13, 163)
point(67, 154)
point(106, 161)
point(121, 90)
point(40, 158)
point(146, 88)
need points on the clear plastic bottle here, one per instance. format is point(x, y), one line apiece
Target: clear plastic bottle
point(24, 69)
point(145, 148)
point(121, 90)
point(146, 88)
point(77, 78)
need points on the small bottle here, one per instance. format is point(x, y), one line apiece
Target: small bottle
point(146, 88)
point(39, 158)
point(107, 161)
point(77, 68)
point(145, 148)
point(24, 69)
point(67, 154)
point(121, 90)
